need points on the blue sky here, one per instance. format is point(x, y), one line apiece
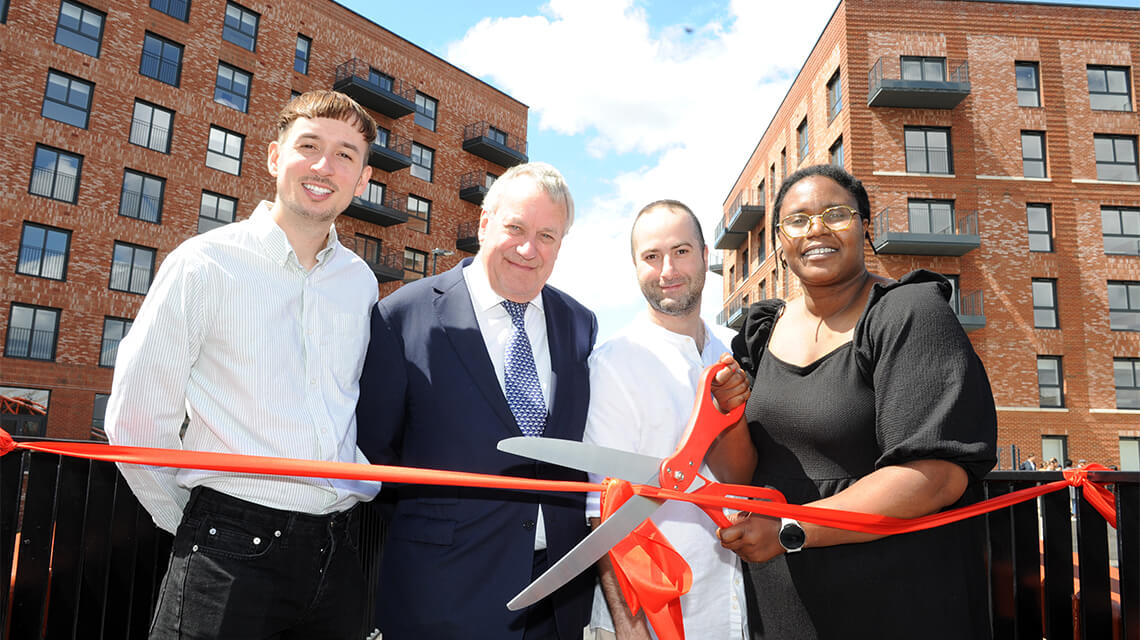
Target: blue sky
point(633, 100)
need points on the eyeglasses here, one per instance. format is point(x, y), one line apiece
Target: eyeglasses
point(835, 218)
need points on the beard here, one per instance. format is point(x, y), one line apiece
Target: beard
point(683, 304)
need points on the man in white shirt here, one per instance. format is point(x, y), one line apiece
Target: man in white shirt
point(642, 385)
point(255, 332)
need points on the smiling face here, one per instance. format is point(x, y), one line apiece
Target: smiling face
point(519, 240)
point(319, 167)
point(822, 256)
point(670, 261)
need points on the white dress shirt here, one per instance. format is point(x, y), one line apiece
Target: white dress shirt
point(263, 356)
point(496, 328)
point(643, 382)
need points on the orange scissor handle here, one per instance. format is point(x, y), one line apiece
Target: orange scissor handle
point(705, 423)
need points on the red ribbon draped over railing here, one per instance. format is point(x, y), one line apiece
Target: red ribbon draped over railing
point(654, 575)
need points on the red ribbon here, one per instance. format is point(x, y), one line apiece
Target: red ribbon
point(1097, 494)
point(652, 575)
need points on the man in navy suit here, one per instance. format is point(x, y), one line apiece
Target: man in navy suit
point(436, 392)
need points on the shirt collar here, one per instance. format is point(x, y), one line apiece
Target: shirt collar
point(646, 324)
point(276, 243)
point(483, 297)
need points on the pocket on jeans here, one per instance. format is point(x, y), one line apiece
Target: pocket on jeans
point(230, 539)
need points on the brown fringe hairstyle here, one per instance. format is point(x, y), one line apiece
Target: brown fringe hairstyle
point(326, 104)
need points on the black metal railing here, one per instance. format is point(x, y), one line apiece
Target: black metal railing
point(372, 252)
point(86, 562)
point(960, 74)
point(483, 129)
point(961, 223)
point(362, 71)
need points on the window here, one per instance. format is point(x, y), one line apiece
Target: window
point(419, 214)
point(415, 263)
point(382, 80)
point(1050, 389)
point(1040, 219)
point(215, 211)
point(151, 126)
point(231, 87)
point(931, 216)
point(425, 111)
point(80, 27)
point(32, 332)
point(834, 96)
point(928, 150)
point(1045, 303)
point(98, 416)
point(498, 135)
point(1108, 88)
point(28, 415)
point(802, 139)
point(301, 54)
point(114, 329)
point(142, 196)
point(1028, 84)
point(161, 59)
point(835, 154)
point(744, 266)
point(55, 174)
point(3, 19)
point(1124, 306)
point(731, 278)
point(1126, 375)
point(422, 160)
point(954, 289)
point(381, 137)
point(772, 179)
point(240, 26)
point(373, 193)
point(67, 99)
point(131, 268)
point(783, 163)
point(174, 8)
point(43, 252)
point(760, 248)
point(1129, 453)
point(1116, 158)
point(1121, 229)
point(224, 150)
point(1033, 154)
point(923, 68)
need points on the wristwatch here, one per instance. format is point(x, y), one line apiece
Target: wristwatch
point(791, 535)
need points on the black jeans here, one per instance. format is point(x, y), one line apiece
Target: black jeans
point(243, 571)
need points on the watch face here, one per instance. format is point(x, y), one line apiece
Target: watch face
point(792, 536)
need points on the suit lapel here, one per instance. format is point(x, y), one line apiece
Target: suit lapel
point(557, 332)
point(456, 315)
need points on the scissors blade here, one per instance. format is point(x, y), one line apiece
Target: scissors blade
point(603, 461)
point(610, 532)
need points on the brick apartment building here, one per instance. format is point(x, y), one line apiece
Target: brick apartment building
point(131, 126)
point(998, 143)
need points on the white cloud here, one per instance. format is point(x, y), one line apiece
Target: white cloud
point(696, 102)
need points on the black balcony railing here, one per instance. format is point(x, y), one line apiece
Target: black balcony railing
point(723, 238)
point(51, 183)
point(745, 212)
point(894, 91)
point(135, 204)
point(467, 237)
point(392, 97)
point(37, 344)
point(86, 562)
point(971, 312)
point(395, 154)
point(956, 237)
point(473, 186)
point(46, 263)
point(387, 265)
point(388, 209)
point(145, 134)
point(732, 316)
point(716, 261)
point(496, 145)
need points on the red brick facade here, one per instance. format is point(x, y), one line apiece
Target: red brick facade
point(986, 178)
point(28, 50)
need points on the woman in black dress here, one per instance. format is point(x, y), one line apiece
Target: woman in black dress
point(868, 397)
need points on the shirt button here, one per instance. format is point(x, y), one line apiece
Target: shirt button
point(313, 381)
point(529, 525)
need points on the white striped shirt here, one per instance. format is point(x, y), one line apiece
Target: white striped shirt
point(262, 356)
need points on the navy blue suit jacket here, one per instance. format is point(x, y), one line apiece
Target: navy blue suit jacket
point(429, 398)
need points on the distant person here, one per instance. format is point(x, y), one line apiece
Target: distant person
point(1029, 464)
point(456, 363)
point(868, 397)
point(257, 332)
point(642, 385)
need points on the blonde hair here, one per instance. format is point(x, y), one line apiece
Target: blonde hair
point(544, 176)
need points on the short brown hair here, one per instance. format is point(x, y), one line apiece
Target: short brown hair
point(326, 104)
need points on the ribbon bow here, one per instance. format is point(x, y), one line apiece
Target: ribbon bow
point(650, 572)
point(1098, 496)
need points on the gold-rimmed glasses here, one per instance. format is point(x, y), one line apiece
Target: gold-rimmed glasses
point(835, 218)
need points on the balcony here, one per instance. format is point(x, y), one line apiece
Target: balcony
point(916, 94)
point(744, 214)
point(391, 209)
point(390, 153)
point(387, 265)
point(391, 97)
point(474, 186)
point(970, 311)
point(467, 237)
point(716, 262)
point(725, 239)
point(732, 316)
point(953, 240)
point(489, 143)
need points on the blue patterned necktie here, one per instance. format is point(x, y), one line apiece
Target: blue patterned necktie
point(524, 393)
